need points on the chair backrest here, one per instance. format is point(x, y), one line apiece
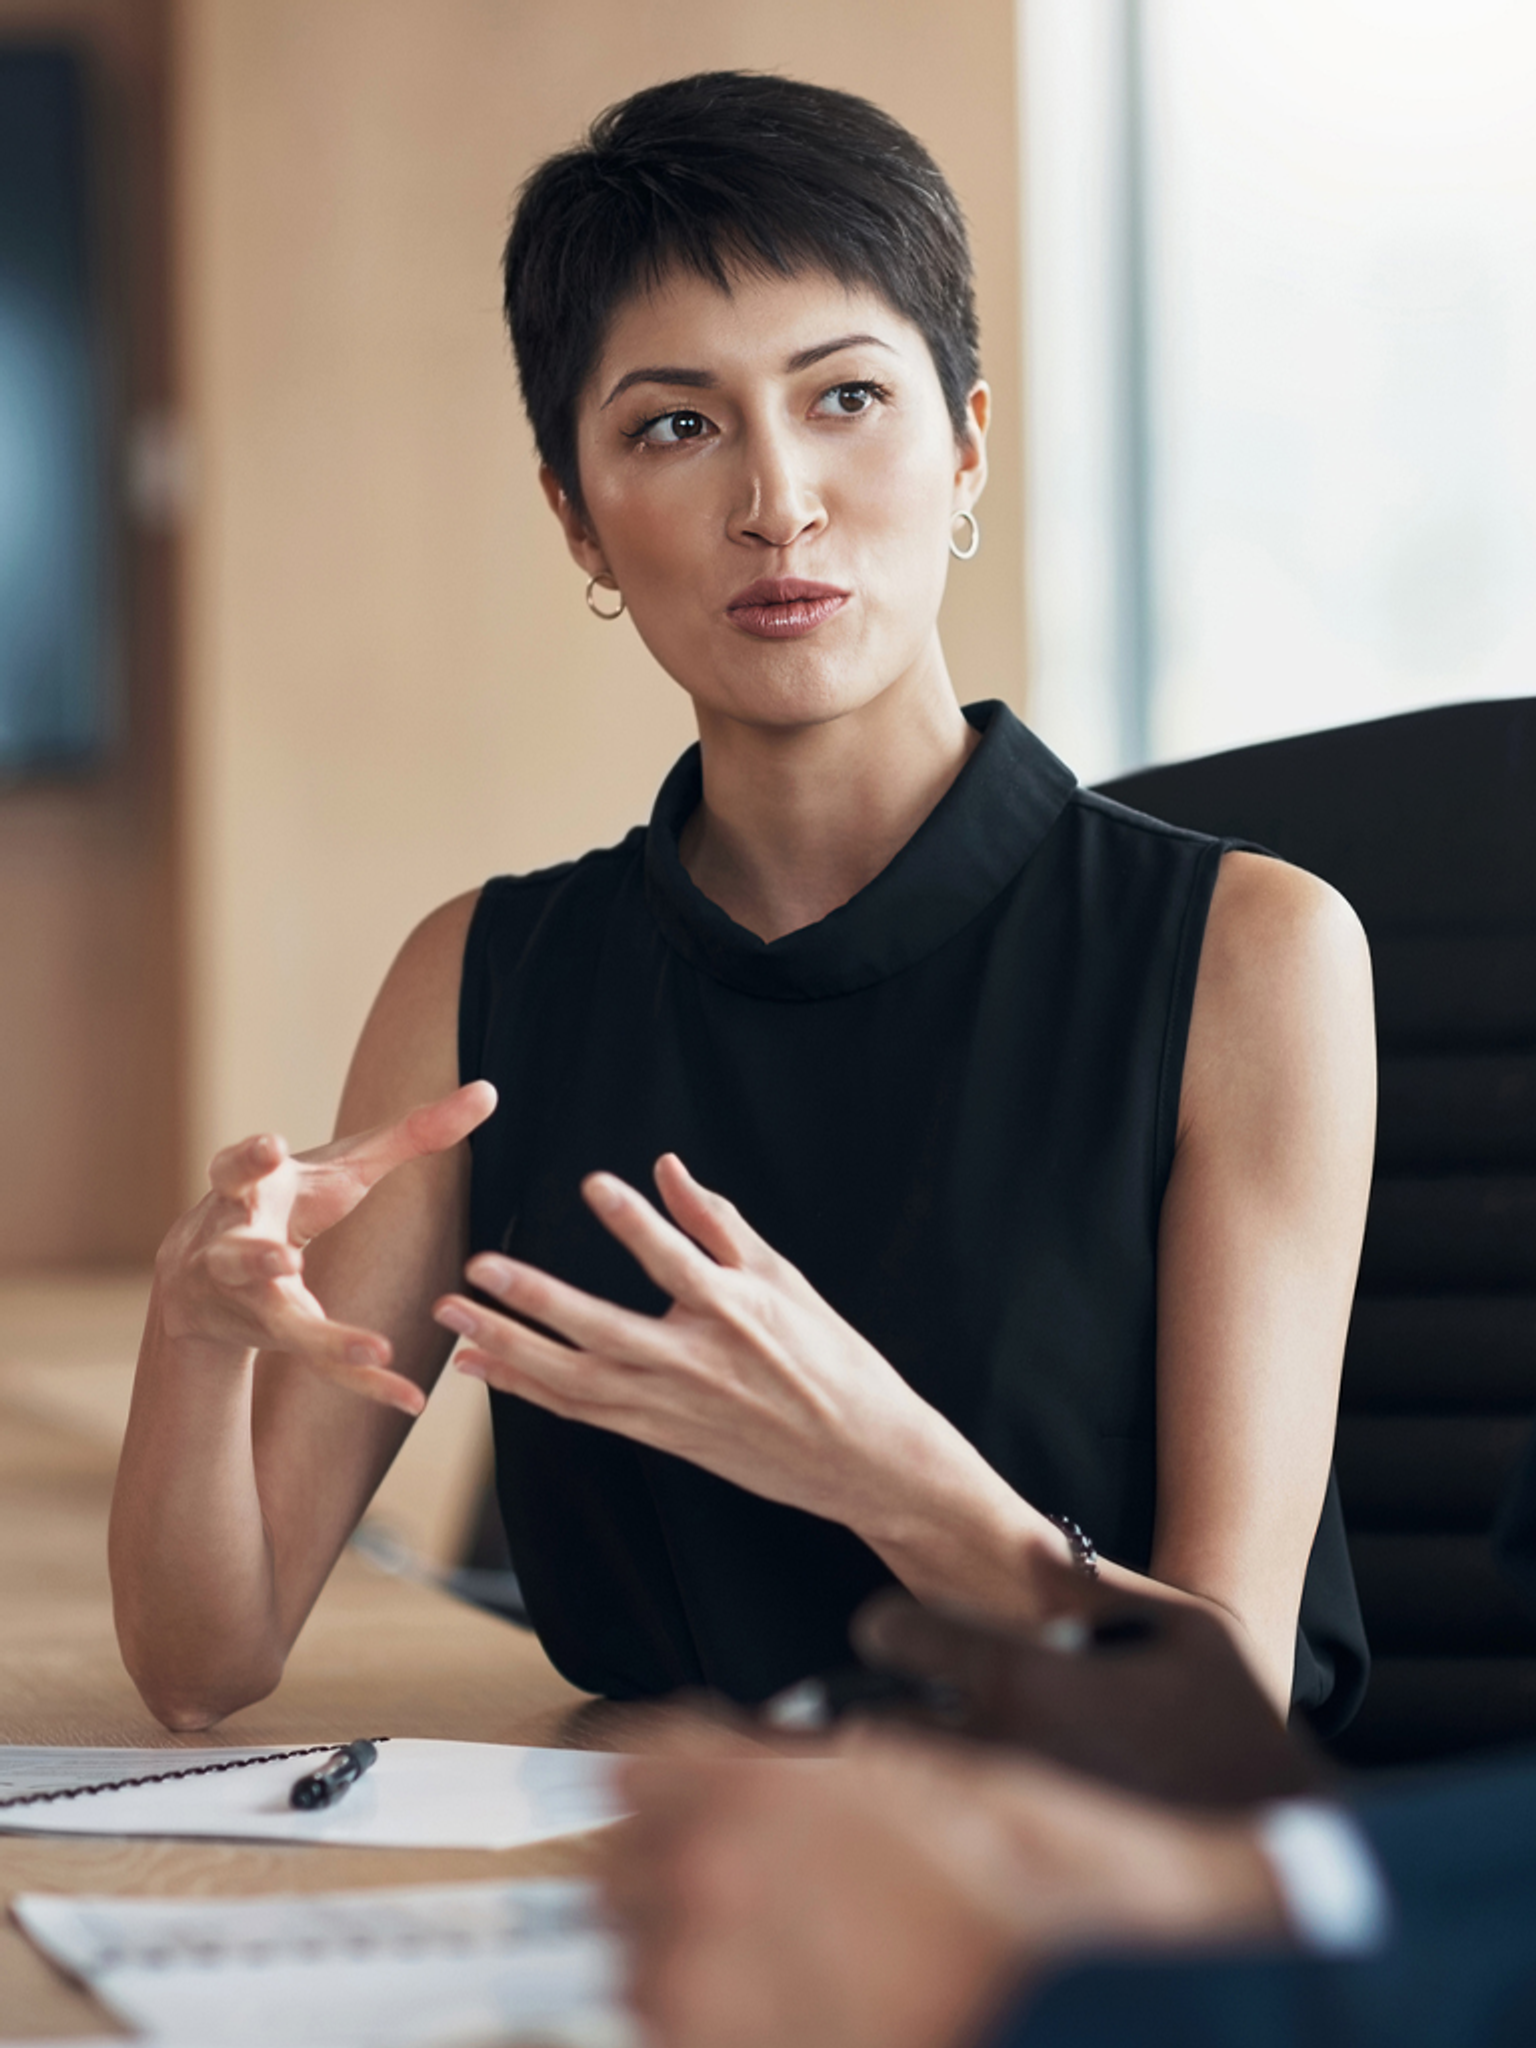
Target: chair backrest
point(1427, 823)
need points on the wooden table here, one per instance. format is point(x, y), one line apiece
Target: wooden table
point(378, 1654)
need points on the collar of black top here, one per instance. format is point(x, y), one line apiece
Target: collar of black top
point(972, 844)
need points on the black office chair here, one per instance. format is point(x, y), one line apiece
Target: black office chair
point(1427, 823)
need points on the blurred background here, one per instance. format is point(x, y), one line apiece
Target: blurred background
point(290, 649)
point(321, 657)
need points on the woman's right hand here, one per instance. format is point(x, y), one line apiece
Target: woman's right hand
point(230, 1274)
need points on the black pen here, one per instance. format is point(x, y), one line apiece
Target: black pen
point(325, 1786)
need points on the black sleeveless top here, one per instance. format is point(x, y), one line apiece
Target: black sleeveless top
point(952, 1104)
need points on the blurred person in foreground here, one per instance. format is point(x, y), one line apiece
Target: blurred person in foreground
point(1168, 1866)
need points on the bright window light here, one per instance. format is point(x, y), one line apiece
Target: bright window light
point(1332, 213)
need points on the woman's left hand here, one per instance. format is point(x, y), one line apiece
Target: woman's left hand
point(749, 1373)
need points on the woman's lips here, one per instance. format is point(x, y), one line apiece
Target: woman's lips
point(784, 609)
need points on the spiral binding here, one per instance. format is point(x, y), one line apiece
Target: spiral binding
point(239, 1763)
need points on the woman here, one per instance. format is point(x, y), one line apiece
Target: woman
point(1041, 1132)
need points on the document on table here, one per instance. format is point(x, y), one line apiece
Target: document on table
point(419, 1795)
point(435, 1966)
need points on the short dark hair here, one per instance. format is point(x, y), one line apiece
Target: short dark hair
point(728, 170)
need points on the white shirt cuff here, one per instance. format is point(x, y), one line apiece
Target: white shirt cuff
point(1336, 1898)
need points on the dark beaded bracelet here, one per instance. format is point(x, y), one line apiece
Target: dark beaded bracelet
point(1085, 1558)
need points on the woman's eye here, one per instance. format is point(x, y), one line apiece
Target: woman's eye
point(668, 428)
point(849, 399)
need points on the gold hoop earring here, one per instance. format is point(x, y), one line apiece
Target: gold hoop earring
point(964, 554)
point(594, 583)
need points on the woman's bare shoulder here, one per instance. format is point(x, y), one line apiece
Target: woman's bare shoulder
point(436, 946)
point(1283, 1001)
point(1269, 919)
point(409, 1048)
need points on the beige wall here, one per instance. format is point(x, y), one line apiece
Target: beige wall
point(394, 688)
point(89, 1028)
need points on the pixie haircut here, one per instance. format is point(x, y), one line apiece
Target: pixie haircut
point(728, 171)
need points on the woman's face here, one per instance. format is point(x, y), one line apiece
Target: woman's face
point(771, 476)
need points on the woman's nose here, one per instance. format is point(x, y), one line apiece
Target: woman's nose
point(779, 502)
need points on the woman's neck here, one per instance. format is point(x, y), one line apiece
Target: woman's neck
point(796, 821)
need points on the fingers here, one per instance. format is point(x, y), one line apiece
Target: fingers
point(686, 1749)
point(237, 1172)
point(260, 1303)
point(295, 1323)
point(436, 1126)
point(377, 1384)
point(709, 1219)
point(237, 1260)
point(430, 1127)
point(568, 1379)
point(252, 1293)
point(582, 1319)
point(571, 1384)
point(243, 1173)
point(566, 1382)
point(894, 1632)
point(676, 1264)
point(388, 1389)
point(668, 1797)
point(334, 1178)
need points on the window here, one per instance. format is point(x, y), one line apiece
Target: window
point(1283, 365)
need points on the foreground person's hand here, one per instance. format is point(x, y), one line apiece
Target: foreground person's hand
point(1150, 1694)
point(229, 1278)
point(899, 1895)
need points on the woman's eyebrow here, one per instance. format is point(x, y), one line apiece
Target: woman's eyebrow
point(823, 349)
point(705, 380)
point(691, 380)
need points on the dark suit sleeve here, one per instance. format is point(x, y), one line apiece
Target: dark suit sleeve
point(1459, 1852)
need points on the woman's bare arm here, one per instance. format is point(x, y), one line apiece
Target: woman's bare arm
point(1261, 1232)
point(1260, 1241)
point(288, 1343)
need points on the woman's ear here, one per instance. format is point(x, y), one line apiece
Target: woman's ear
point(585, 551)
point(971, 447)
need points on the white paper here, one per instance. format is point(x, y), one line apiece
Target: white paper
point(439, 1966)
point(55, 1770)
point(419, 1795)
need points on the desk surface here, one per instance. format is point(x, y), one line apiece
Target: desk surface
point(378, 1653)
